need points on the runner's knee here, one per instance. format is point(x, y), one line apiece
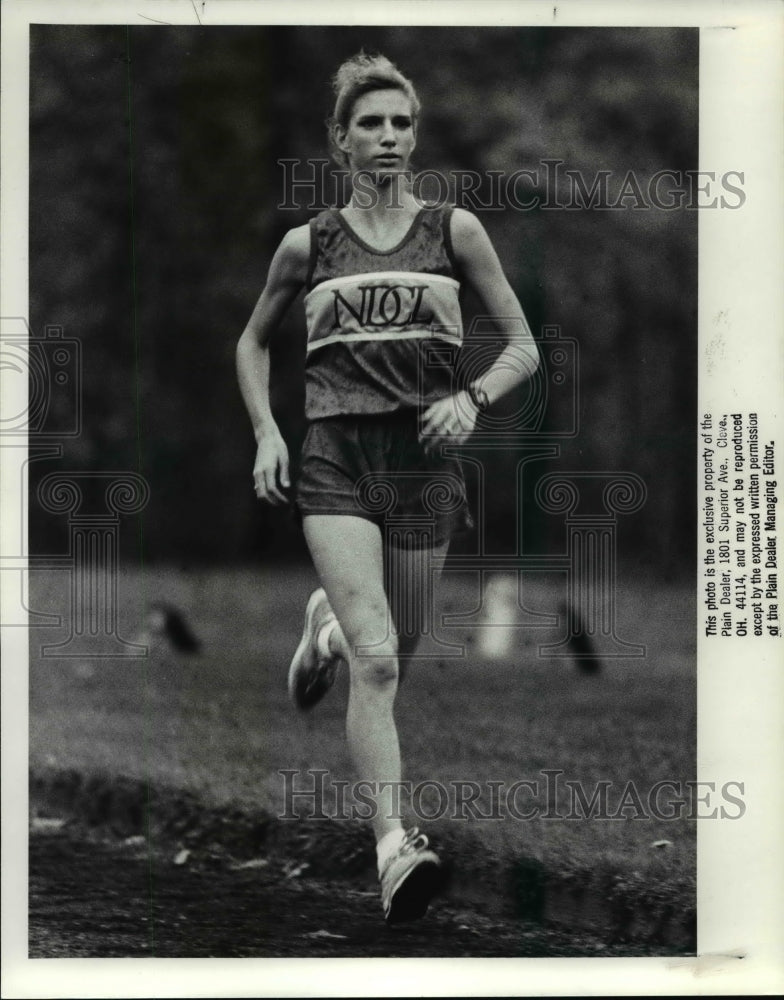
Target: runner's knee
point(375, 664)
point(367, 625)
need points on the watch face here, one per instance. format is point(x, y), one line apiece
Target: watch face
point(479, 396)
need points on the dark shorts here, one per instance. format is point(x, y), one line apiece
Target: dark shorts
point(375, 467)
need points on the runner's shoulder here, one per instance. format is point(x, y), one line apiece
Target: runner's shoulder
point(295, 245)
point(467, 233)
point(293, 254)
point(465, 224)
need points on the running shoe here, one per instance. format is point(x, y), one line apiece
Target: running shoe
point(409, 879)
point(311, 674)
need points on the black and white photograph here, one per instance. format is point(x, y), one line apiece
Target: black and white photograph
point(389, 554)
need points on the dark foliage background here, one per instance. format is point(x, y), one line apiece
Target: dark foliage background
point(154, 186)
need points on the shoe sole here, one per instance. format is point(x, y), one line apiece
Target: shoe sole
point(413, 896)
point(308, 638)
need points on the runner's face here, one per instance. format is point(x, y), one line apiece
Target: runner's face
point(380, 135)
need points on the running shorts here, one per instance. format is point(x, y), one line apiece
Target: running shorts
point(375, 467)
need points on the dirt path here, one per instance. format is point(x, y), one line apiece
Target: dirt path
point(94, 896)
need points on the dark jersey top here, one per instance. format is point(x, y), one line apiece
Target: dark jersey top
point(383, 326)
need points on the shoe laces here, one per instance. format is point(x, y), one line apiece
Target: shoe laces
point(413, 841)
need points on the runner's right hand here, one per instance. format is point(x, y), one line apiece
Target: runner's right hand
point(271, 471)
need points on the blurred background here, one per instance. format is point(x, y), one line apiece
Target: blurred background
point(155, 187)
point(154, 194)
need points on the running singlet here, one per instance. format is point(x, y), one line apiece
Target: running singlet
point(376, 319)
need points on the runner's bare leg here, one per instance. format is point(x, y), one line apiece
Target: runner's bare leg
point(347, 552)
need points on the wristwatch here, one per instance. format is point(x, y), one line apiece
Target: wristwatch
point(478, 397)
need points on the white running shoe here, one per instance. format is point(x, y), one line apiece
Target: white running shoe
point(409, 879)
point(312, 674)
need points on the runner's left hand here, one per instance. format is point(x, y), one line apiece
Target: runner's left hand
point(448, 421)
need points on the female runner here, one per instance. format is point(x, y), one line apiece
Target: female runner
point(382, 277)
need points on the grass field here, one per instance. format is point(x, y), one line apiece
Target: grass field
point(219, 724)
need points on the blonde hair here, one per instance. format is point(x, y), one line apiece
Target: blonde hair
point(360, 75)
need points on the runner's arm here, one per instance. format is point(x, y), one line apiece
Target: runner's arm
point(454, 417)
point(286, 277)
point(480, 264)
